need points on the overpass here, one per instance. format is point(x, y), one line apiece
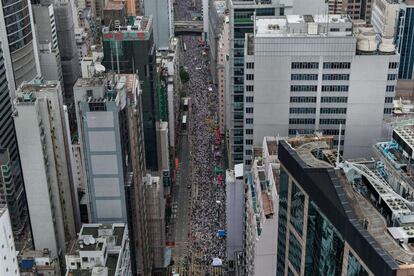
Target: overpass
point(188, 27)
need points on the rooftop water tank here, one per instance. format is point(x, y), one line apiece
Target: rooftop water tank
point(387, 46)
point(366, 41)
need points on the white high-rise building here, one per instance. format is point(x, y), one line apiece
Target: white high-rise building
point(162, 20)
point(41, 137)
point(8, 257)
point(305, 74)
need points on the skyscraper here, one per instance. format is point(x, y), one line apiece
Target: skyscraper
point(8, 257)
point(162, 21)
point(15, 196)
point(292, 87)
point(131, 49)
point(405, 38)
point(103, 136)
point(241, 23)
point(40, 131)
point(18, 42)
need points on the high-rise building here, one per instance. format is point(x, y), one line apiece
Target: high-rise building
point(65, 28)
point(156, 219)
point(37, 262)
point(8, 257)
point(343, 218)
point(293, 88)
point(358, 9)
point(101, 118)
point(49, 55)
point(162, 21)
point(41, 135)
point(141, 254)
point(131, 49)
point(241, 23)
point(18, 42)
point(100, 249)
point(15, 195)
point(262, 202)
point(405, 40)
point(235, 209)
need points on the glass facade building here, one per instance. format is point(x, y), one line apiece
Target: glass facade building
point(406, 41)
point(318, 231)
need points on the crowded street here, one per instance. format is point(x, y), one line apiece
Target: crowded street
point(206, 240)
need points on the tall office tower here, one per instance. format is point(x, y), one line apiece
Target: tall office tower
point(18, 42)
point(235, 210)
point(101, 118)
point(131, 49)
point(141, 254)
point(16, 200)
point(49, 55)
point(241, 23)
point(222, 72)
point(341, 220)
point(40, 132)
point(65, 29)
point(156, 219)
point(293, 88)
point(8, 257)
point(262, 203)
point(114, 14)
point(405, 40)
point(162, 21)
point(206, 23)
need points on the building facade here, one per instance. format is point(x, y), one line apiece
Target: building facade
point(41, 136)
point(405, 38)
point(291, 88)
point(101, 119)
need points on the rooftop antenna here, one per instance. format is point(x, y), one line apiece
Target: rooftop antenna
point(339, 145)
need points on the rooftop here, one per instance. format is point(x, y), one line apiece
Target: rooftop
point(111, 5)
point(301, 25)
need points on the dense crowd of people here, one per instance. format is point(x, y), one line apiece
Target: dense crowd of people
point(207, 214)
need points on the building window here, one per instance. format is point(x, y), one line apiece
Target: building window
point(249, 109)
point(249, 99)
point(249, 121)
point(335, 76)
point(334, 99)
point(248, 152)
point(303, 88)
point(393, 65)
point(248, 162)
point(333, 132)
point(302, 110)
point(295, 252)
point(387, 110)
point(334, 29)
point(305, 65)
point(301, 121)
point(389, 99)
point(249, 131)
point(336, 65)
point(249, 142)
point(390, 88)
point(392, 77)
point(304, 77)
point(303, 99)
point(249, 77)
point(332, 121)
point(301, 131)
point(249, 88)
point(326, 110)
point(335, 88)
point(355, 267)
point(250, 65)
point(297, 204)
